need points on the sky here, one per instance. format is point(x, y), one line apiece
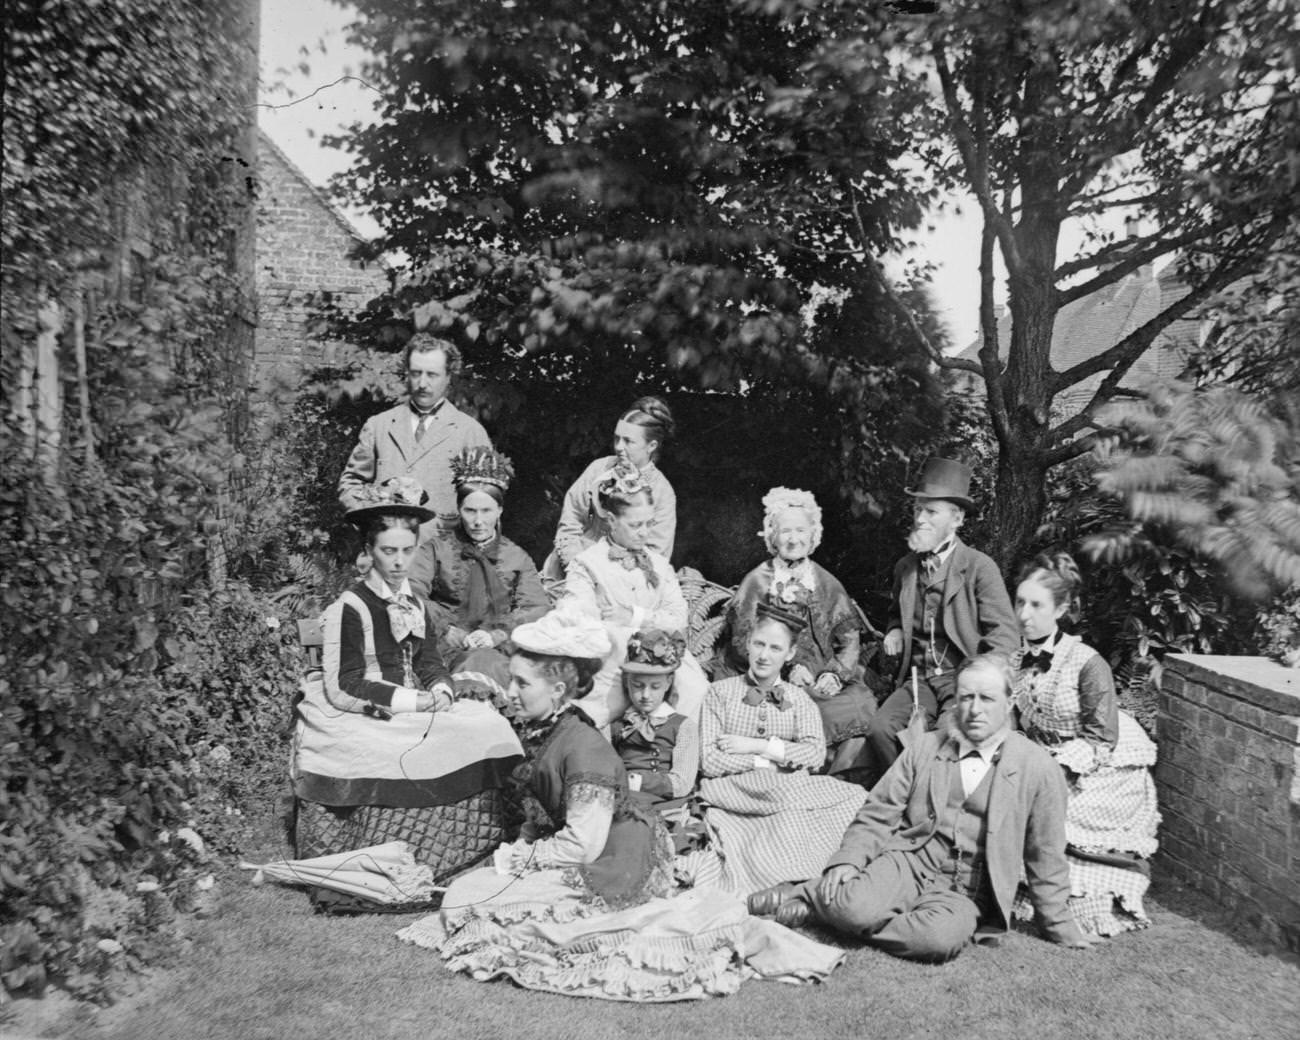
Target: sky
point(312, 32)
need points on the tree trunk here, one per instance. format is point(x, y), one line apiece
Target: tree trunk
point(1020, 496)
point(1020, 499)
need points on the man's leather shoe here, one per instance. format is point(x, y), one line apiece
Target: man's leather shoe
point(767, 901)
point(794, 912)
point(783, 902)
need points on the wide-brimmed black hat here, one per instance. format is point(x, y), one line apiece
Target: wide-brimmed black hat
point(947, 479)
point(396, 496)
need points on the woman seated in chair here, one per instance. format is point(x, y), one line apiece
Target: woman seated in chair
point(1065, 700)
point(827, 663)
point(760, 736)
point(481, 584)
point(629, 586)
point(639, 440)
point(384, 750)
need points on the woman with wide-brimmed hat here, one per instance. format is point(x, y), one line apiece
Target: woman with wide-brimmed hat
point(384, 748)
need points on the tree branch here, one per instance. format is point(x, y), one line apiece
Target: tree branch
point(976, 170)
point(990, 359)
point(936, 355)
point(1121, 357)
point(1159, 245)
point(1183, 50)
point(1071, 449)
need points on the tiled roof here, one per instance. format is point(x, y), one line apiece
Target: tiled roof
point(1089, 326)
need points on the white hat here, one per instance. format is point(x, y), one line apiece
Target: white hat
point(565, 632)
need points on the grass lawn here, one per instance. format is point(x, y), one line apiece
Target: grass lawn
point(268, 967)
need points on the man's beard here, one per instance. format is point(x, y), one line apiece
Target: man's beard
point(922, 541)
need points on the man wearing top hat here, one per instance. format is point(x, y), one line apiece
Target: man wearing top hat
point(949, 603)
point(417, 439)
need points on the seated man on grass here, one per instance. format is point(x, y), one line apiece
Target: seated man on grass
point(936, 851)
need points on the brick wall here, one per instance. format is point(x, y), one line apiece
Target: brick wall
point(302, 249)
point(1229, 786)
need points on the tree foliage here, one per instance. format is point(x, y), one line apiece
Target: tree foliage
point(677, 180)
point(1086, 111)
point(1220, 472)
point(638, 196)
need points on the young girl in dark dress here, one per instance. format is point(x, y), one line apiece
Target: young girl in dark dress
point(659, 746)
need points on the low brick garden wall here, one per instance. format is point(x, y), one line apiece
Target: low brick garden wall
point(1229, 785)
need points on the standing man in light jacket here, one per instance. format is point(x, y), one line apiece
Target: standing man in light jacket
point(933, 857)
point(949, 604)
point(417, 439)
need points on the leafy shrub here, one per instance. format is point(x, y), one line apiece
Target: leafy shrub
point(1219, 470)
point(120, 726)
point(1279, 625)
point(1145, 594)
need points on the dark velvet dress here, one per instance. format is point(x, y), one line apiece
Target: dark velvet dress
point(572, 772)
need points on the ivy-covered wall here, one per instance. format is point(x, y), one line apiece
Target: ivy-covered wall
point(140, 687)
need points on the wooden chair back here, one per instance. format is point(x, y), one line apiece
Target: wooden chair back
point(312, 640)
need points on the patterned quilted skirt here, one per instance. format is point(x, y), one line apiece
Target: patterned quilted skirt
point(447, 838)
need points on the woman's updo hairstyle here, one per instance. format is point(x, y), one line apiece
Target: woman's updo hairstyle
point(1059, 574)
point(654, 416)
point(620, 488)
point(377, 525)
point(577, 673)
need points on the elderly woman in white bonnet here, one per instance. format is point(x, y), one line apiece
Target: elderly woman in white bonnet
point(826, 665)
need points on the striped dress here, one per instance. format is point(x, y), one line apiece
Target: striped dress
point(767, 825)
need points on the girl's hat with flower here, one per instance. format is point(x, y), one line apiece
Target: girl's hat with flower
point(396, 496)
point(653, 651)
point(482, 465)
point(565, 632)
point(789, 605)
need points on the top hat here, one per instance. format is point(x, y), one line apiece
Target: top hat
point(396, 496)
point(653, 651)
point(947, 479)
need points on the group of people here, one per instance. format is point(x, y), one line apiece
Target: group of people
point(662, 817)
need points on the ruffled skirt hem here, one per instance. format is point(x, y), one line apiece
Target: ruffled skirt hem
point(688, 947)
